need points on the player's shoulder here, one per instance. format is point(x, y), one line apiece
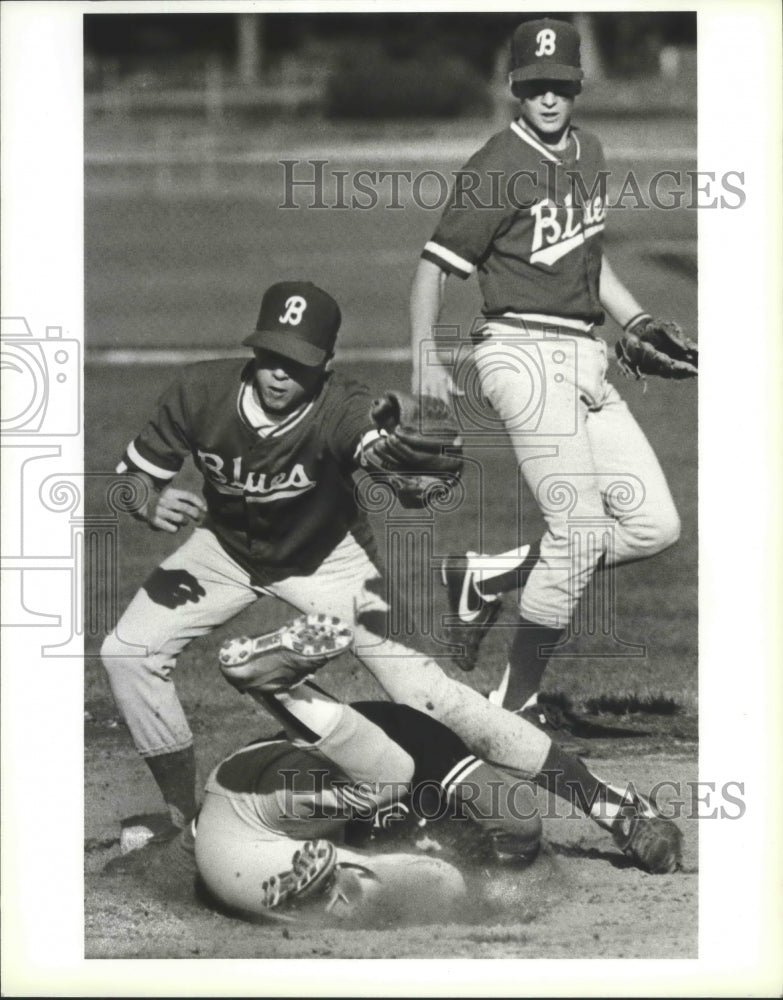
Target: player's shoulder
point(590, 144)
point(339, 389)
point(502, 145)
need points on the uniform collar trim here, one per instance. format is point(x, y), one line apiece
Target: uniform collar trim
point(531, 140)
point(267, 430)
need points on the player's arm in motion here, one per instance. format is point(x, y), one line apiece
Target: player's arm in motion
point(425, 305)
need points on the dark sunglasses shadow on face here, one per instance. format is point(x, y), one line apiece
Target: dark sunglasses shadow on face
point(274, 361)
point(536, 88)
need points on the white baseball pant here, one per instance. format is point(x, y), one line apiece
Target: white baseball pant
point(583, 456)
point(141, 652)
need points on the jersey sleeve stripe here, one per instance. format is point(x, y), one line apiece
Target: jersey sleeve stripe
point(366, 439)
point(355, 796)
point(459, 773)
point(453, 262)
point(137, 460)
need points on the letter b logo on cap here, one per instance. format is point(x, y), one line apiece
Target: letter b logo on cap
point(294, 309)
point(546, 42)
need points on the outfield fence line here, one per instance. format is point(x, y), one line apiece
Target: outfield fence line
point(437, 152)
point(118, 357)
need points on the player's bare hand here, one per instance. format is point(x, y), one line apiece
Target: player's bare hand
point(434, 380)
point(175, 508)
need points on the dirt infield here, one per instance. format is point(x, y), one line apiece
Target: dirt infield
point(179, 265)
point(581, 899)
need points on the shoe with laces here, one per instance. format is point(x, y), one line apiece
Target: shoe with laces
point(652, 842)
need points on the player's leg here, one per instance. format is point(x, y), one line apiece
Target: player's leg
point(410, 678)
point(502, 737)
point(509, 742)
point(192, 592)
point(634, 487)
point(256, 870)
point(451, 783)
point(250, 869)
point(556, 461)
point(349, 584)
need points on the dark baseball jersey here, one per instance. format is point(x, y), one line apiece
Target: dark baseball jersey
point(530, 223)
point(280, 502)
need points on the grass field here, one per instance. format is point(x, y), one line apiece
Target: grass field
point(179, 260)
point(188, 271)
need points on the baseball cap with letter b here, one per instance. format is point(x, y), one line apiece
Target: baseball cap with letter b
point(545, 50)
point(298, 320)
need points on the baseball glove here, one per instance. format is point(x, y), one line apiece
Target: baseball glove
point(419, 448)
point(283, 659)
point(656, 347)
point(652, 842)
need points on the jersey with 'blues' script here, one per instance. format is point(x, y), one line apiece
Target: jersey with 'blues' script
point(529, 221)
point(278, 503)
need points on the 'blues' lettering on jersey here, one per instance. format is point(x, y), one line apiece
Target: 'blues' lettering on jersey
point(260, 487)
point(537, 247)
point(278, 503)
point(561, 229)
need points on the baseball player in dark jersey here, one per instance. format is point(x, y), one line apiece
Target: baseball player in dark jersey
point(277, 440)
point(329, 818)
point(332, 819)
point(527, 215)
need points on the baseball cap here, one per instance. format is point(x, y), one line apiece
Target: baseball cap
point(545, 50)
point(298, 320)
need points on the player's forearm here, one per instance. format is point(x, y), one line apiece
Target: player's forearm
point(425, 306)
point(615, 297)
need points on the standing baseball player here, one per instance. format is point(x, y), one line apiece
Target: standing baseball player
point(277, 440)
point(527, 215)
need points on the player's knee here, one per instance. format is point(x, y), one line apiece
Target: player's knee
point(665, 531)
point(113, 654)
point(652, 531)
point(125, 668)
point(670, 530)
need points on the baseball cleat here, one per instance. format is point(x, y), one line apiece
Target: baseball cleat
point(313, 636)
point(311, 868)
point(653, 843)
point(475, 613)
